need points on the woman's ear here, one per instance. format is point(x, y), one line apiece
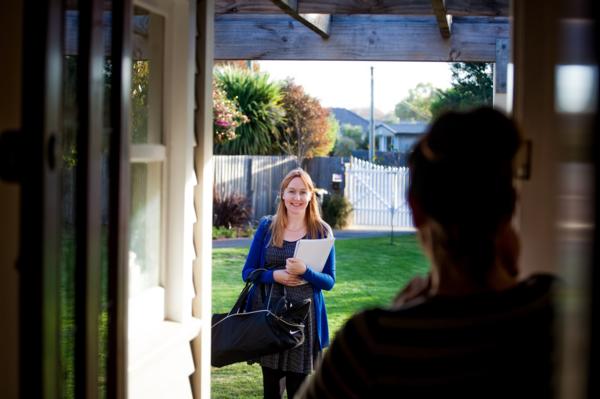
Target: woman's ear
point(418, 216)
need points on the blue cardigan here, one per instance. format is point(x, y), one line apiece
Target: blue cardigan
point(319, 280)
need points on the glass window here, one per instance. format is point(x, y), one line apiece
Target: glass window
point(146, 85)
point(145, 226)
point(147, 150)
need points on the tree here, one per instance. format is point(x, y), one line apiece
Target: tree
point(307, 130)
point(260, 101)
point(416, 106)
point(472, 86)
point(344, 147)
point(356, 134)
point(332, 134)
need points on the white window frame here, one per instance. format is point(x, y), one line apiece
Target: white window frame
point(148, 307)
point(161, 361)
point(178, 216)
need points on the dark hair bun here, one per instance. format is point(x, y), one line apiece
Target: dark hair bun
point(483, 135)
point(461, 170)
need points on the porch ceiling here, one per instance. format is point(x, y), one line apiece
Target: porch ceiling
point(399, 7)
point(384, 30)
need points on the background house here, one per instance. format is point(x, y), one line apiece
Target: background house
point(393, 141)
point(398, 137)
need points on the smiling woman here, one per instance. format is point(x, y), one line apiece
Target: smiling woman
point(272, 248)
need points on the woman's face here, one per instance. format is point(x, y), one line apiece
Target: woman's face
point(296, 196)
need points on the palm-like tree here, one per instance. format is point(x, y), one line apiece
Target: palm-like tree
point(260, 101)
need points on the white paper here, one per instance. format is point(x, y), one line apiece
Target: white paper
point(314, 253)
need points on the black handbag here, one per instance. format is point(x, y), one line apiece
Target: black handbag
point(242, 335)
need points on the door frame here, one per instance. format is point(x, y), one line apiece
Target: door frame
point(40, 366)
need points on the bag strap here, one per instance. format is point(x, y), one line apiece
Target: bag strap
point(240, 303)
point(271, 291)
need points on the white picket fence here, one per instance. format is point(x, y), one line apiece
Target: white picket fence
point(378, 195)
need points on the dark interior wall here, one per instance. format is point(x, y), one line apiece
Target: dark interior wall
point(10, 118)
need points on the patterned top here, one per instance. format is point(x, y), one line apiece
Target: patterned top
point(303, 358)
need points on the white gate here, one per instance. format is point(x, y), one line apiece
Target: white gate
point(378, 194)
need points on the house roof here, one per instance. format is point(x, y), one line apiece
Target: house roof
point(345, 116)
point(404, 127)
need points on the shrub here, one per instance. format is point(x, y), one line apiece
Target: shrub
point(337, 211)
point(234, 232)
point(259, 100)
point(226, 116)
point(223, 232)
point(344, 147)
point(230, 211)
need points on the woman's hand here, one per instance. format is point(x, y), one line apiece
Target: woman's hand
point(287, 279)
point(295, 266)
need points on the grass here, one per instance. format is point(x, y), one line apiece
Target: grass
point(369, 273)
point(67, 315)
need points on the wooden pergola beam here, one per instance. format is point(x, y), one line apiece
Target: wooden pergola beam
point(444, 20)
point(318, 23)
point(501, 66)
point(358, 38)
point(490, 8)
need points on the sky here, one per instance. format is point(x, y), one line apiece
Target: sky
point(347, 84)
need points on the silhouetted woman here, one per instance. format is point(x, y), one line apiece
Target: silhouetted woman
point(471, 328)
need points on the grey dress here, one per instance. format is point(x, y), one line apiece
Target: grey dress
point(303, 358)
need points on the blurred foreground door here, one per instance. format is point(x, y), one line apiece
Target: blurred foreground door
point(74, 182)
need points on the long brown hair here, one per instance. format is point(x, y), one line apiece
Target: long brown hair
point(315, 225)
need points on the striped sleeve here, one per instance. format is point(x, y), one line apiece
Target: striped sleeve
point(343, 372)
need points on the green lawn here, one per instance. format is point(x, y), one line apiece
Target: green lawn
point(369, 272)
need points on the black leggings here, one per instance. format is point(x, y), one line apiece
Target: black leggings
point(276, 381)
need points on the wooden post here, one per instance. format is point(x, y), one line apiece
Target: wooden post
point(500, 74)
point(203, 164)
point(534, 58)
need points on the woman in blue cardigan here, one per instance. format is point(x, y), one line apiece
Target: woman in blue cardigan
point(272, 248)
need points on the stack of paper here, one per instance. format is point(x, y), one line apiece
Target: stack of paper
point(314, 253)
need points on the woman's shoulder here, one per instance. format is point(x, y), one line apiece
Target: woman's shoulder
point(264, 224)
point(328, 229)
point(543, 280)
point(536, 287)
point(265, 221)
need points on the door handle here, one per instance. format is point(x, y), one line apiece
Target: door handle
point(10, 156)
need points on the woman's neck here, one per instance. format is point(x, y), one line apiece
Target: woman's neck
point(295, 222)
point(449, 281)
point(452, 277)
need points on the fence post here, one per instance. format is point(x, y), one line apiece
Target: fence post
point(248, 178)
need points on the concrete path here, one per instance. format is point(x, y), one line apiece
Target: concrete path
point(339, 235)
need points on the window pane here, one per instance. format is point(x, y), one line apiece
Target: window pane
point(68, 248)
point(145, 226)
point(146, 87)
point(71, 162)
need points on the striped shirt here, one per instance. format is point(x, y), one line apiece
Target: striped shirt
point(492, 345)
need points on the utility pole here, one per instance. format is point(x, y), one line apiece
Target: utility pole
point(372, 123)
